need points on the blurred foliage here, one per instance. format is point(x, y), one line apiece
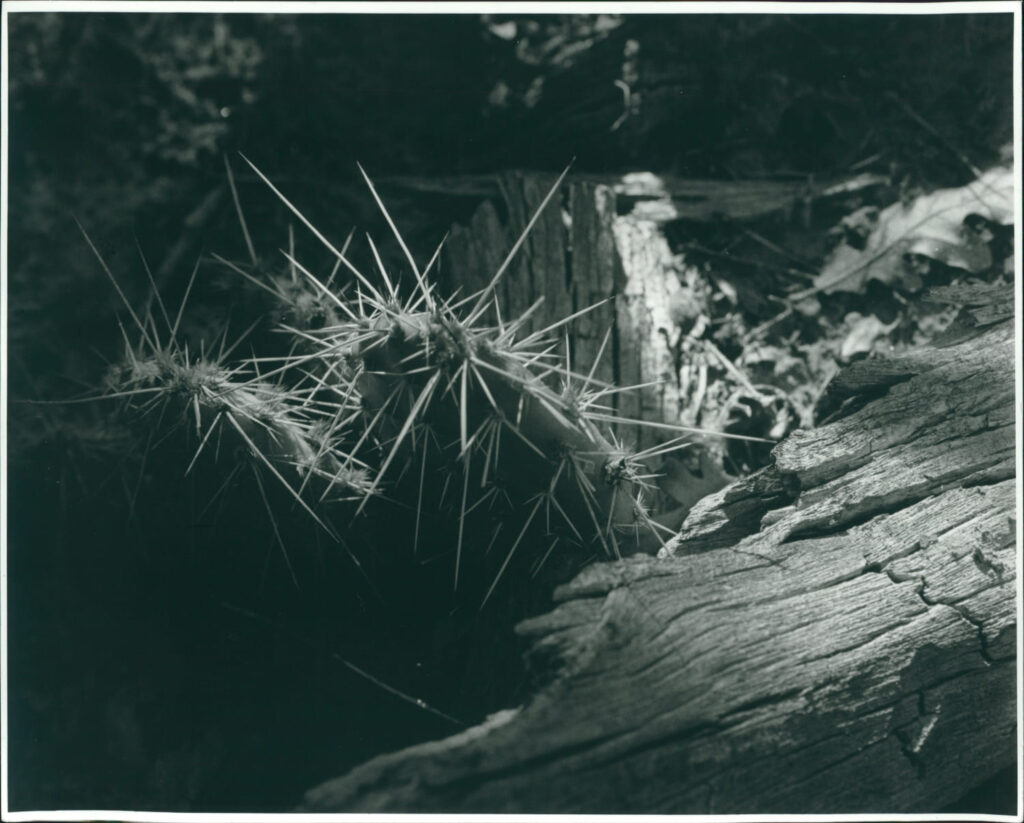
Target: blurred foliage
point(119, 120)
point(181, 74)
point(745, 95)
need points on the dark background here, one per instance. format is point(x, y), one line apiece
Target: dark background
point(153, 662)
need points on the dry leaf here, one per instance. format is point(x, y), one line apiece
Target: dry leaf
point(931, 227)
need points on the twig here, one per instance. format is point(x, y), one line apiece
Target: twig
point(758, 330)
point(746, 261)
point(731, 367)
point(416, 701)
point(917, 118)
point(768, 244)
point(194, 223)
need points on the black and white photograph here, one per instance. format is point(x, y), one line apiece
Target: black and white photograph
point(519, 409)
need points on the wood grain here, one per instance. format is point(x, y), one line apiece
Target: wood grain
point(834, 634)
point(582, 253)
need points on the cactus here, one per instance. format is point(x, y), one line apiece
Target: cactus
point(386, 386)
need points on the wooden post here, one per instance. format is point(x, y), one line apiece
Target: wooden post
point(581, 253)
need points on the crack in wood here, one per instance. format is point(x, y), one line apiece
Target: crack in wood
point(852, 652)
point(987, 565)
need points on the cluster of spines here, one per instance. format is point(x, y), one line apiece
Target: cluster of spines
point(382, 384)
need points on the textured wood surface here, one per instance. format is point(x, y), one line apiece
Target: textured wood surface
point(834, 634)
point(582, 253)
point(698, 200)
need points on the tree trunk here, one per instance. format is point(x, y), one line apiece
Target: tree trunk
point(834, 634)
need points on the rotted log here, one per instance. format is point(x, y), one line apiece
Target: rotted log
point(836, 633)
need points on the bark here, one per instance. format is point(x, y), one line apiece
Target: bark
point(834, 634)
point(581, 253)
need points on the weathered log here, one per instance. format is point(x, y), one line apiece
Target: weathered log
point(688, 199)
point(834, 634)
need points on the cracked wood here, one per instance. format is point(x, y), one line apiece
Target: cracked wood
point(834, 634)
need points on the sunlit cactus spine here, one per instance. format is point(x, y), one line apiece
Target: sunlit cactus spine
point(380, 386)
